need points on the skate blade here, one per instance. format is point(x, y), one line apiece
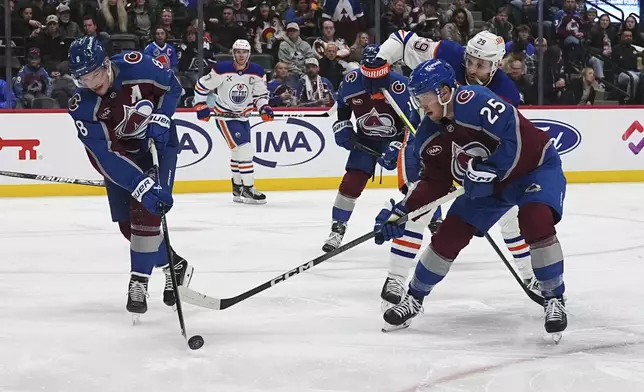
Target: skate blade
point(187, 277)
point(251, 201)
point(556, 337)
point(136, 319)
point(238, 199)
point(386, 305)
point(391, 328)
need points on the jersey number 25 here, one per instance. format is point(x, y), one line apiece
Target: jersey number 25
point(493, 110)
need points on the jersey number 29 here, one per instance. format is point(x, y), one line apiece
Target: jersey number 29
point(493, 110)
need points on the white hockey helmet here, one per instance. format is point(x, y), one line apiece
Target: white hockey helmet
point(486, 46)
point(241, 44)
point(241, 58)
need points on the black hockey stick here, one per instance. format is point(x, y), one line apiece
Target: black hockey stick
point(533, 296)
point(195, 298)
point(366, 149)
point(195, 342)
point(62, 180)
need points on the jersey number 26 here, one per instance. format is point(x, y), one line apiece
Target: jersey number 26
point(493, 110)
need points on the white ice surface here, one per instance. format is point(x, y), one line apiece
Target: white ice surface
point(63, 325)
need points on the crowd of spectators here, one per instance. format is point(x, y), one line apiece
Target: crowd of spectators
point(307, 45)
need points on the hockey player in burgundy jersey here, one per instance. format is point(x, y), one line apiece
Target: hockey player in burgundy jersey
point(476, 64)
point(470, 135)
point(378, 128)
point(122, 104)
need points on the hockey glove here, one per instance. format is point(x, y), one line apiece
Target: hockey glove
point(479, 179)
point(152, 196)
point(267, 113)
point(344, 134)
point(375, 76)
point(389, 159)
point(159, 131)
point(385, 227)
point(203, 112)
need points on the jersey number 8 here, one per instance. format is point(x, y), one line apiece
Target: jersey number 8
point(493, 110)
point(81, 128)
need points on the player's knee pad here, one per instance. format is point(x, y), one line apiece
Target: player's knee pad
point(537, 223)
point(509, 223)
point(453, 235)
point(126, 230)
point(353, 183)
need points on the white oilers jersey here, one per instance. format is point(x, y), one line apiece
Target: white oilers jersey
point(231, 93)
point(408, 47)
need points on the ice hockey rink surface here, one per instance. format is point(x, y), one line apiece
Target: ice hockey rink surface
point(64, 275)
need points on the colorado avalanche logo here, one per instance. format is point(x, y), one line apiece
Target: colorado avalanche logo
point(135, 120)
point(398, 87)
point(377, 124)
point(464, 96)
point(238, 93)
point(462, 155)
point(351, 77)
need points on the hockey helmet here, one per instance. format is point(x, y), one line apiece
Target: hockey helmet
point(85, 55)
point(241, 44)
point(430, 77)
point(486, 46)
point(369, 53)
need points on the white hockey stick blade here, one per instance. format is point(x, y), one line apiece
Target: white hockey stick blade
point(195, 298)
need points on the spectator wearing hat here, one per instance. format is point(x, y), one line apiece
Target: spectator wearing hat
point(302, 15)
point(268, 29)
point(32, 81)
point(314, 90)
point(330, 65)
point(52, 44)
point(294, 50)
point(228, 31)
point(328, 36)
point(67, 27)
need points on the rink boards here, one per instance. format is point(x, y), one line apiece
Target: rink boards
point(298, 152)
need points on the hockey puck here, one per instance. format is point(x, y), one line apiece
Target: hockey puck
point(195, 342)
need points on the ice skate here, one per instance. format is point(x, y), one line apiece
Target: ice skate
point(556, 320)
point(393, 290)
point(335, 237)
point(237, 191)
point(137, 297)
point(182, 271)
point(250, 195)
point(400, 316)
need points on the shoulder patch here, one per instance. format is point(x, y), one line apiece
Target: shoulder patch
point(133, 57)
point(464, 96)
point(398, 87)
point(351, 77)
point(74, 102)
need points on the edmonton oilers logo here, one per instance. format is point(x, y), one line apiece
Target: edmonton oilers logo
point(238, 93)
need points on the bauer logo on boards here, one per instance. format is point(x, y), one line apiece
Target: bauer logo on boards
point(194, 143)
point(286, 143)
point(565, 137)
